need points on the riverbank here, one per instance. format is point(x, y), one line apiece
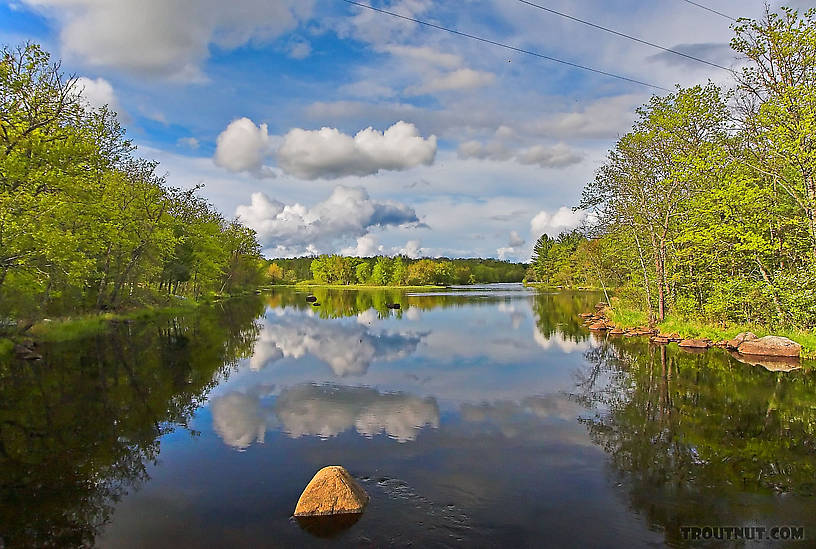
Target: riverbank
point(89, 324)
point(628, 319)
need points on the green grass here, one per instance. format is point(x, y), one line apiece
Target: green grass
point(6, 347)
point(67, 329)
point(696, 329)
point(628, 318)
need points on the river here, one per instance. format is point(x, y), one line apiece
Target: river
point(481, 416)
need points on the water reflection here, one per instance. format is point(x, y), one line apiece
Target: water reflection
point(702, 438)
point(80, 428)
point(321, 410)
point(485, 419)
point(348, 349)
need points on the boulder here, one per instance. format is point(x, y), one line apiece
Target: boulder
point(770, 346)
point(332, 491)
point(695, 343)
point(617, 331)
point(599, 326)
point(741, 338)
point(585, 315)
point(659, 340)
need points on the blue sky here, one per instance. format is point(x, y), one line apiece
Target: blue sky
point(472, 150)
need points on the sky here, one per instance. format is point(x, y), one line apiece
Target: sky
point(328, 127)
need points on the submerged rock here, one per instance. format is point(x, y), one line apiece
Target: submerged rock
point(770, 346)
point(393, 305)
point(332, 491)
point(310, 299)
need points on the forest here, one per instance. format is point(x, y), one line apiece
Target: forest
point(85, 224)
point(396, 271)
point(706, 209)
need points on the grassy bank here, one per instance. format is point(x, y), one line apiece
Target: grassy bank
point(6, 347)
point(75, 327)
point(631, 318)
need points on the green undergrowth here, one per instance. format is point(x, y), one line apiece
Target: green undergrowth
point(697, 329)
point(77, 327)
point(6, 347)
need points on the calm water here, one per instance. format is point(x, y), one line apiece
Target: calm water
point(473, 417)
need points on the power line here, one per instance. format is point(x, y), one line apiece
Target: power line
point(623, 35)
point(507, 46)
point(721, 14)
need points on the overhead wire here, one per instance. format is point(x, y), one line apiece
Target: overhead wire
point(721, 14)
point(623, 35)
point(506, 46)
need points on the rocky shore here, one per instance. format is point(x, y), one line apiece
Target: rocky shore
point(772, 352)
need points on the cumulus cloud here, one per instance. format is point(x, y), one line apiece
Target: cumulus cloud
point(97, 93)
point(559, 341)
point(515, 240)
point(239, 419)
point(328, 410)
point(563, 219)
point(426, 55)
point(168, 38)
point(557, 156)
point(329, 153)
point(243, 147)
point(348, 349)
point(349, 212)
point(460, 79)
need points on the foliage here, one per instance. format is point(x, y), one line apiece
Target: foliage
point(84, 224)
point(396, 271)
point(706, 210)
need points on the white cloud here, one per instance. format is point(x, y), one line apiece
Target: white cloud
point(557, 156)
point(460, 79)
point(299, 49)
point(243, 147)
point(239, 420)
point(515, 240)
point(426, 55)
point(412, 248)
point(329, 153)
point(563, 219)
point(97, 93)
point(348, 213)
point(188, 142)
point(168, 38)
point(560, 341)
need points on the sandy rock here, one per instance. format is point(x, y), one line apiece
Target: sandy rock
point(332, 491)
point(585, 315)
point(659, 340)
point(617, 331)
point(741, 338)
point(599, 326)
point(770, 346)
point(695, 343)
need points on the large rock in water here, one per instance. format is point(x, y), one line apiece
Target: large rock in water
point(332, 491)
point(770, 346)
point(741, 338)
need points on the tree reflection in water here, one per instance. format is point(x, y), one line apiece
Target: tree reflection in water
point(79, 428)
point(701, 438)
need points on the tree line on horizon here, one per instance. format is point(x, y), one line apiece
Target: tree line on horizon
point(707, 208)
point(87, 225)
point(392, 271)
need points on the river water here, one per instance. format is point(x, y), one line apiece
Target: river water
point(478, 417)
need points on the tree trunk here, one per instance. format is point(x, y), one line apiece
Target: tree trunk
point(645, 275)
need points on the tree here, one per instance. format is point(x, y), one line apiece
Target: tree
point(363, 272)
